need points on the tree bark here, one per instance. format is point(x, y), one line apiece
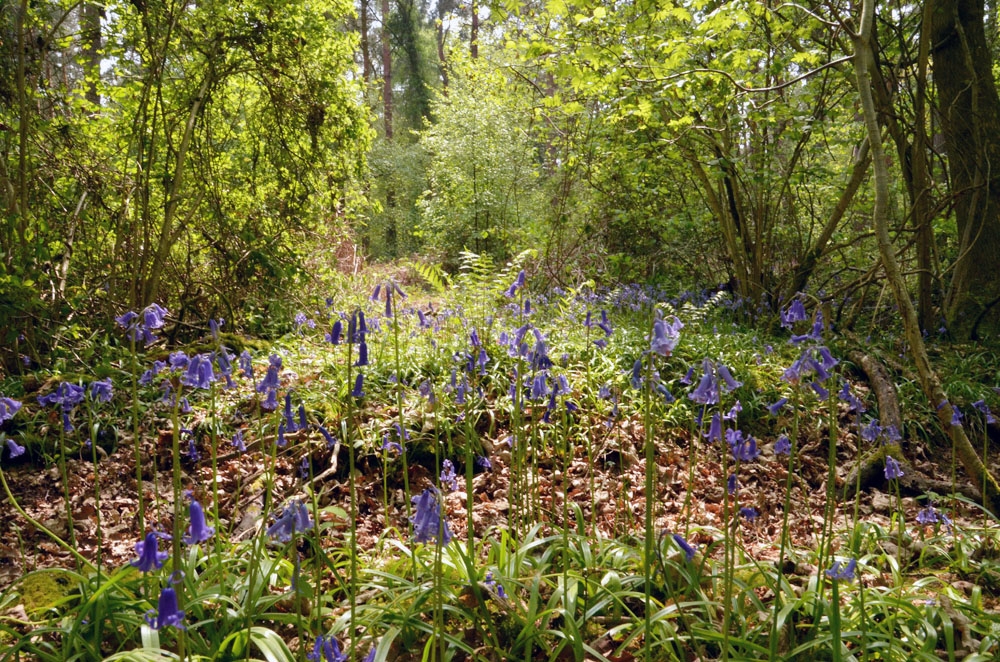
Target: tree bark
point(386, 73)
point(929, 381)
point(366, 56)
point(970, 118)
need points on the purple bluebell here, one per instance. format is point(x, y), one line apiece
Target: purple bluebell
point(238, 443)
point(359, 384)
point(732, 484)
point(326, 649)
point(749, 514)
point(783, 446)
point(728, 382)
point(686, 379)
point(224, 360)
point(484, 463)
point(956, 416)
point(330, 441)
point(604, 392)
point(448, 478)
point(270, 402)
point(270, 381)
point(178, 360)
point(101, 390)
point(841, 571)
point(714, 429)
point(8, 407)
point(893, 470)
point(733, 412)
point(390, 445)
point(688, 550)
point(150, 558)
point(820, 391)
point(776, 407)
point(199, 373)
point(636, 379)
point(539, 387)
point(707, 391)
point(984, 409)
point(167, 613)
point(290, 426)
point(516, 285)
point(362, 355)
point(796, 312)
point(214, 326)
point(14, 449)
point(152, 316)
point(665, 336)
point(185, 406)
point(745, 450)
point(604, 325)
point(127, 319)
point(335, 332)
point(281, 435)
point(427, 522)
point(294, 518)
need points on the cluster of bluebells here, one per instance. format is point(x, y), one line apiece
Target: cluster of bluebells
point(293, 519)
point(140, 327)
point(842, 571)
point(427, 521)
point(9, 407)
point(66, 396)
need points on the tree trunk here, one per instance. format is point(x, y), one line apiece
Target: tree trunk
point(474, 31)
point(929, 381)
point(970, 118)
point(90, 35)
point(386, 73)
point(366, 56)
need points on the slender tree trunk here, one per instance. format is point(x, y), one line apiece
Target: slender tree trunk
point(90, 28)
point(366, 56)
point(386, 73)
point(474, 31)
point(929, 381)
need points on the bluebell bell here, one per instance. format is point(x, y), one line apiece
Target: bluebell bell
point(732, 484)
point(984, 409)
point(686, 379)
point(427, 522)
point(167, 613)
point(516, 285)
point(474, 339)
point(527, 306)
point(665, 336)
point(335, 332)
point(749, 514)
point(293, 519)
point(745, 450)
point(238, 441)
point(426, 390)
point(281, 434)
point(330, 441)
point(707, 391)
point(225, 362)
point(727, 378)
point(326, 649)
point(270, 402)
point(636, 379)
point(484, 463)
point(422, 320)
point(362, 355)
point(539, 387)
point(587, 322)
point(290, 426)
point(101, 390)
point(733, 412)
point(820, 391)
point(375, 293)
point(127, 320)
point(956, 416)
point(270, 381)
point(776, 407)
point(359, 383)
point(152, 316)
point(388, 302)
point(782, 446)
point(389, 445)
point(688, 550)
point(448, 478)
point(796, 312)
point(192, 454)
point(214, 326)
point(199, 372)
point(843, 572)
point(604, 324)
point(661, 388)
point(8, 407)
point(150, 558)
point(178, 360)
point(15, 449)
point(893, 470)
point(714, 429)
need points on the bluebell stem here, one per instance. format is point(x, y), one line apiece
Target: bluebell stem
point(167, 613)
point(150, 558)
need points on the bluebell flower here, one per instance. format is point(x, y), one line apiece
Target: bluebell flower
point(732, 484)
point(326, 649)
point(225, 362)
point(984, 409)
point(185, 406)
point(843, 572)
point(448, 478)
point(636, 379)
point(8, 407)
point(427, 522)
point(293, 519)
point(270, 381)
point(749, 514)
point(101, 390)
point(335, 332)
point(688, 550)
point(290, 425)
point(484, 463)
point(745, 450)
point(270, 402)
point(214, 326)
point(727, 378)
point(238, 441)
point(660, 388)
point(776, 407)
point(871, 432)
point(686, 379)
point(714, 429)
point(426, 390)
point(783, 446)
point(167, 613)
point(389, 445)
point(330, 441)
point(150, 558)
point(956, 416)
point(733, 412)
point(516, 285)
point(892, 468)
point(820, 391)
point(359, 383)
point(281, 435)
point(604, 325)
point(707, 391)
point(126, 320)
point(15, 449)
point(152, 316)
point(796, 312)
point(665, 336)
point(539, 387)
point(362, 355)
